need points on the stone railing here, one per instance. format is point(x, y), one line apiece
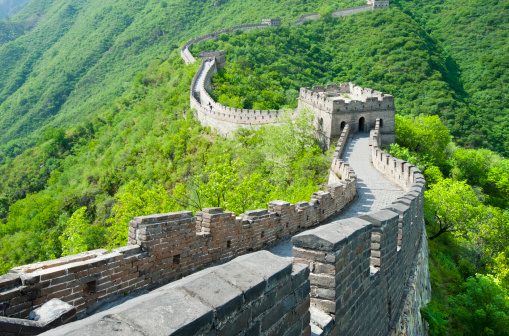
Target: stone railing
point(338, 167)
point(223, 113)
point(363, 268)
point(165, 247)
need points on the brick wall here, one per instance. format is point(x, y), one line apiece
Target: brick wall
point(257, 294)
point(363, 268)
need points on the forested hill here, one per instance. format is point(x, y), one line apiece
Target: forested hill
point(81, 53)
point(474, 35)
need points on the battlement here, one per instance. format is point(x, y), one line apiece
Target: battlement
point(345, 98)
point(379, 4)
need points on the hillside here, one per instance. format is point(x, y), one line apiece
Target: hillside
point(473, 35)
point(84, 53)
point(96, 126)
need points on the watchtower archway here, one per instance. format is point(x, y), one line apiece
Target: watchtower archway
point(362, 124)
point(343, 124)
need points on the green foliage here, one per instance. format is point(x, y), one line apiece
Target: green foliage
point(451, 206)
point(225, 184)
point(72, 239)
point(473, 35)
point(285, 144)
point(483, 309)
point(132, 201)
point(463, 303)
point(425, 135)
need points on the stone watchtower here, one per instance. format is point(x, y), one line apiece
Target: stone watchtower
point(272, 22)
point(336, 106)
point(219, 55)
point(379, 3)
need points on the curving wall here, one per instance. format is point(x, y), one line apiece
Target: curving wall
point(370, 273)
point(337, 13)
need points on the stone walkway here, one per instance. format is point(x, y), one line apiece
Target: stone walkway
point(374, 191)
point(200, 84)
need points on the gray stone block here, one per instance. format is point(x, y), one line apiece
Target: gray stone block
point(236, 325)
point(146, 315)
point(300, 273)
point(251, 283)
point(217, 293)
point(272, 316)
point(398, 208)
point(271, 267)
point(381, 218)
point(332, 237)
point(50, 311)
point(323, 238)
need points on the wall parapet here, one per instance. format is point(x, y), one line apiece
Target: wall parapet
point(335, 14)
point(260, 293)
point(361, 268)
point(165, 247)
point(225, 113)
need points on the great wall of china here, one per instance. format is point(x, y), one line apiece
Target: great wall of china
point(356, 264)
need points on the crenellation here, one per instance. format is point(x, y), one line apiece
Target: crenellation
point(370, 268)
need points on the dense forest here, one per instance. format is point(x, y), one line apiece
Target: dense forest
point(96, 126)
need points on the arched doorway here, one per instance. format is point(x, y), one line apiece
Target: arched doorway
point(381, 123)
point(361, 124)
point(343, 124)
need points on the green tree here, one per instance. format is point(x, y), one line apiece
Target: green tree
point(450, 206)
point(73, 237)
point(132, 201)
point(483, 309)
point(286, 142)
point(423, 134)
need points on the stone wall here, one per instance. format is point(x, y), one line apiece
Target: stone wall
point(165, 247)
point(337, 13)
point(225, 119)
point(257, 294)
point(370, 273)
point(189, 58)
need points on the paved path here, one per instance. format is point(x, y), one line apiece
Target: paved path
point(200, 84)
point(374, 190)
